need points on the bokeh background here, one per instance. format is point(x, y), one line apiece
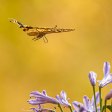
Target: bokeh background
point(61, 64)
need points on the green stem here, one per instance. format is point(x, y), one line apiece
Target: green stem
point(94, 98)
point(111, 105)
point(60, 107)
point(100, 99)
point(105, 105)
point(70, 109)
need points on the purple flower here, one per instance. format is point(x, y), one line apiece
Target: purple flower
point(42, 110)
point(107, 76)
point(92, 78)
point(41, 98)
point(109, 95)
point(87, 106)
point(79, 107)
point(63, 99)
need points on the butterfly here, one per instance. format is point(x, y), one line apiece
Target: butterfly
point(39, 32)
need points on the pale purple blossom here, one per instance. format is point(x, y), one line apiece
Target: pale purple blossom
point(107, 75)
point(41, 98)
point(87, 105)
point(62, 98)
point(109, 95)
point(42, 110)
point(79, 107)
point(92, 78)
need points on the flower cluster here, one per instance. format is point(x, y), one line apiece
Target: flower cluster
point(94, 105)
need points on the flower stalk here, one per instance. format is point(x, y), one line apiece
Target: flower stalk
point(70, 109)
point(60, 107)
point(111, 105)
point(94, 98)
point(100, 99)
point(105, 105)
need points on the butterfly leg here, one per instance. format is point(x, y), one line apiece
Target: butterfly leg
point(35, 38)
point(45, 39)
point(55, 26)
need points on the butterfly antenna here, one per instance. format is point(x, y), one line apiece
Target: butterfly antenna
point(45, 39)
point(16, 22)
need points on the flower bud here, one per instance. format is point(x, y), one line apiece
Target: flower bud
point(92, 78)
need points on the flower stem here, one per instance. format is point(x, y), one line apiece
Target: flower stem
point(70, 109)
point(111, 105)
point(105, 105)
point(100, 99)
point(60, 107)
point(94, 98)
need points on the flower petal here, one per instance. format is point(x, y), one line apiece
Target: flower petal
point(98, 109)
point(63, 95)
point(41, 98)
point(63, 99)
point(44, 92)
point(77, 105)
point(35, 102)
point(86, 101)
point(42, 110)
point(58, 98)
point(97, 99)
point(105, 81)
point(106, 69)
point(35, 110)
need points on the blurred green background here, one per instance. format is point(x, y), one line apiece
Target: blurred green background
point(61, 64)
